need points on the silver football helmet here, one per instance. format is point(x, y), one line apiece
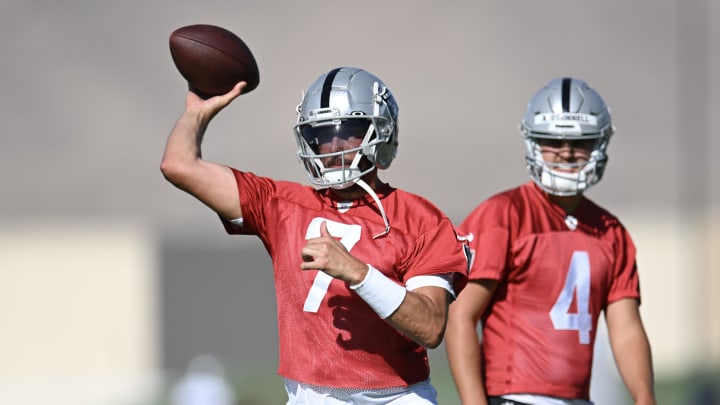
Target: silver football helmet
point(566, 109)
point(346, 102)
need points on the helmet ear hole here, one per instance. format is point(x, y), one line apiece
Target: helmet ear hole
point(385, 152)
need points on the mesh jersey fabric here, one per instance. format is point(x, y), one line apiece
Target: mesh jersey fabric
point(522, 240)
point(344, 344)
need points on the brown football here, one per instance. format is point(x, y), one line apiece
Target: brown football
point(213, 59)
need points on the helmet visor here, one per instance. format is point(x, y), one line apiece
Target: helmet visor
point(586, 144)
point(319, 133)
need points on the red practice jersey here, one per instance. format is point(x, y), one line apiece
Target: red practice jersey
point(328, 335)
point(539, 328)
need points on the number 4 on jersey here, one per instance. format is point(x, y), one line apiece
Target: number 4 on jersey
point(577, 284)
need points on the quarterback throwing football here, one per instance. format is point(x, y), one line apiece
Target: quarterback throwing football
point(364, 272)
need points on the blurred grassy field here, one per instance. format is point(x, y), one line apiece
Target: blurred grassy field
point(265, 387)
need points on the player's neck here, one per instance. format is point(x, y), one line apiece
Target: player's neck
point(568, 203)
point(354, 192)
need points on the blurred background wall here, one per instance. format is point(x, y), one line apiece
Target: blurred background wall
point(112, 281)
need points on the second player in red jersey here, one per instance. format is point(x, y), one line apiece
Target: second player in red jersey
point(556, 282)
point(547, 263)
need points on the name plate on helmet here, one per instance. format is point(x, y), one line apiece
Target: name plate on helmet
point(566, 117)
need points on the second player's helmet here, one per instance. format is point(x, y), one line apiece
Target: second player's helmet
point(348, 100)
point(566, 109)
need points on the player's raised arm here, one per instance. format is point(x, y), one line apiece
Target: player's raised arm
point(182, 163)
point(218, 67)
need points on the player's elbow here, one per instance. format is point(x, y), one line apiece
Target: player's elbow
point(175, 171)
point(433, 340)
point(432, 335)
point(426, 333)
point(433, 344)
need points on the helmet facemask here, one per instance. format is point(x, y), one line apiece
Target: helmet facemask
point(565, 179)
point(341, 169)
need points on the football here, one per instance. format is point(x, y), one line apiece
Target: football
point(213, 59)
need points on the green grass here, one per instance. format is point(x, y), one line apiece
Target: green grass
point(264, 387)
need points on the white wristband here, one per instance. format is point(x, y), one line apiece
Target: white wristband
point(382, 294)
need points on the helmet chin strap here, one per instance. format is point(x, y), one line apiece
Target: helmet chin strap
point(338, 178)
point(563, 183)
point(366, 187)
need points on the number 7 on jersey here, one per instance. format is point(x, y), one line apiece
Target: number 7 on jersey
point(349, 235)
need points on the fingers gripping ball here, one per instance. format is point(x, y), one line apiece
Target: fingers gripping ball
point(213, 59)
